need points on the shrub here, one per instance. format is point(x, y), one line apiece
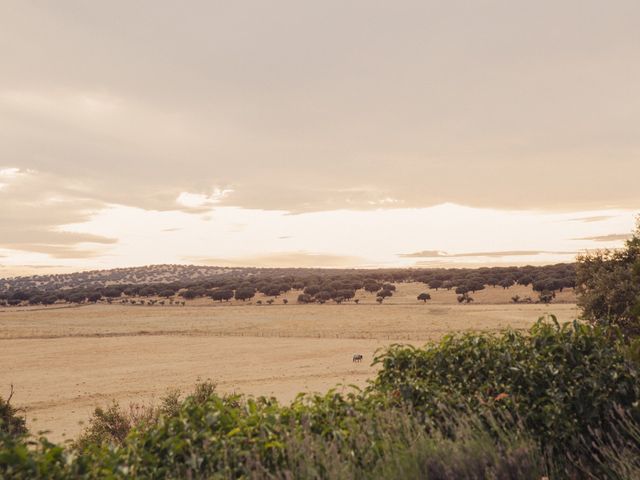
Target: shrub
point(608, 285)
point(424, 297)
point(563, 381)
point(12, 423)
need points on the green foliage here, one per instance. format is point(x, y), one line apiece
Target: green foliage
point(608, 285)
point(562, 381)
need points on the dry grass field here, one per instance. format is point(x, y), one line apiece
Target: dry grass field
point(63, 361)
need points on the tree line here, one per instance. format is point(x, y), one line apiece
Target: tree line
point(317, 285)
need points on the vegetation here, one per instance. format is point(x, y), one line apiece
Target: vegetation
point(608, 285)
point(12, 423)
point(560, 401)
point(172, 283)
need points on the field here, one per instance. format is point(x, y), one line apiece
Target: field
point(63, 361)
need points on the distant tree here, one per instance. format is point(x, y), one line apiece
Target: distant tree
point(305, 298)
point(188, 294)
point(372, 286)
point(270, 301)
point(245, 293)
point(345, 293)
point(424, 297)
point(220, 294)
point(506, 283)
point(525, 280)
point(323, 296)
point(94, 297)
point(311, 290)
point(285, 301)
point(111, 292)
point(384, 293)
point(435, 284)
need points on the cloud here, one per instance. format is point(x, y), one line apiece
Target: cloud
point(35, 206)
point(498, 254)
point(614, 237)
point(165, 104)
point(283, 259)
point(598, 218)
point(57, 251)
point(199, 202)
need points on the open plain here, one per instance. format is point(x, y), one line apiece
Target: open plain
point(65, 360)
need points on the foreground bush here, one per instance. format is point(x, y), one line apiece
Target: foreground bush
point(561, 401)
point(562, 381)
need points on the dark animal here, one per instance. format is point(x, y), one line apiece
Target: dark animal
point(357, 357)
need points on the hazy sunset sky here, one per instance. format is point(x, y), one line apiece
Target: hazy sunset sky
point(333, 133)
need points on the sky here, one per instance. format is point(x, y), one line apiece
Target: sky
point(335, 133)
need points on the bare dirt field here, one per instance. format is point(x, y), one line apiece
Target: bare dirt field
point(64, 361)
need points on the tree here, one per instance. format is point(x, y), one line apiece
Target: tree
point(285, 301)
point(345, 293)
point(608, 285)
point(189, 294)
point(245, 293)
point(372, 286)
point(311, 290)
point(424, 297)
point(221, 294)
point(384, 293)
point(323, 296)
point(435, 284)
point(305, 298)
point(94, 297)
point(506, 283)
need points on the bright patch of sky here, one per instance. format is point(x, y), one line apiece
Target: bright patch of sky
point(443, 235)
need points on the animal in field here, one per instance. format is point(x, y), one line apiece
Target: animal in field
point(357, 357)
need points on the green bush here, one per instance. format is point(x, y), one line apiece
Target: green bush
point(608, 285)
point(562, 381)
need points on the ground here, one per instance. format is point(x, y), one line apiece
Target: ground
point(64, 361)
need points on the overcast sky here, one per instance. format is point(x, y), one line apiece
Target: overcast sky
point(342, 133)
